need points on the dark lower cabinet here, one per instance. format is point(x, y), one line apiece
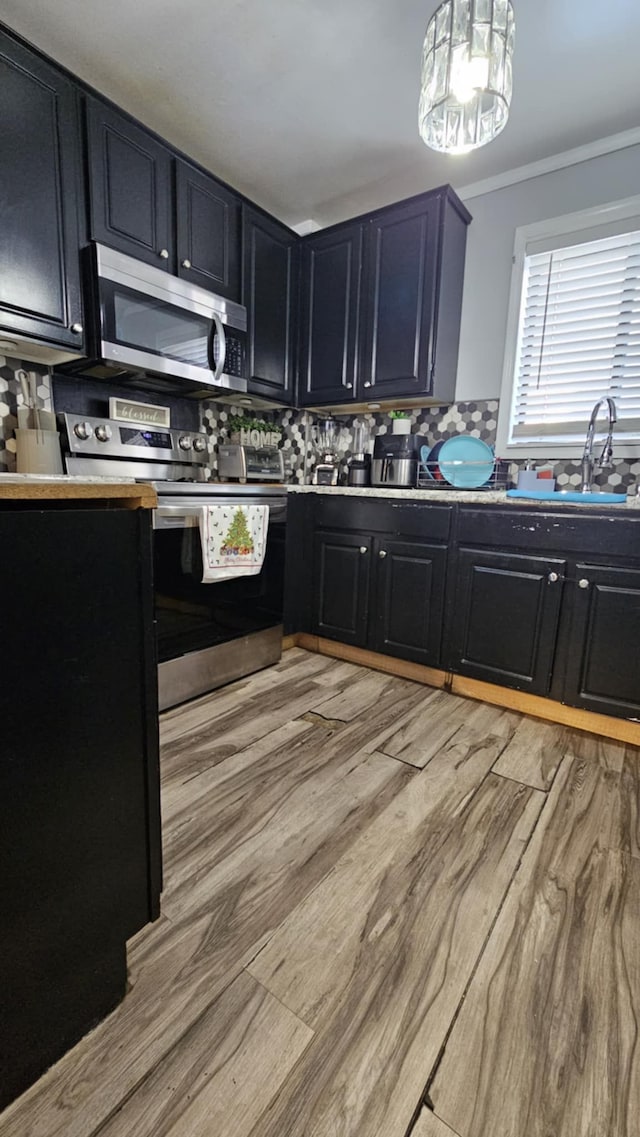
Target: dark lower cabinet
point(505, 618)
point(130, 186)
point(384, 593)
point(408, 616)
point(270, 295)
point(342, 563)
point(207, 232)
point(41, 196)
point(79, 796)
point(603, 672)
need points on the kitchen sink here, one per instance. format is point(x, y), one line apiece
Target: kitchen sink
point(570, 495)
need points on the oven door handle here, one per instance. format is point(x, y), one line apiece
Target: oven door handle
point(217, 328)
point(175, 517)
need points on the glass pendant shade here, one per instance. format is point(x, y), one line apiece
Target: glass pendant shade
point(466, 74)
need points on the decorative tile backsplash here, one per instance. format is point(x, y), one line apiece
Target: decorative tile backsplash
point(90, 397)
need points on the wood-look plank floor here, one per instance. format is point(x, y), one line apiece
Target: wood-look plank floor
point(387, 911)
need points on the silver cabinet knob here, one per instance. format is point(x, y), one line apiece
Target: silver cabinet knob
point(184, 442)
point(364, 549)
point(349, 386)
point(553, 577)
point(103, 432)
point(83, 430)
point(199, 444)
point(367, 384)
point(186, 263)
point(77, 329)
point(164, 254)
point(584, 583)
point(382, 554)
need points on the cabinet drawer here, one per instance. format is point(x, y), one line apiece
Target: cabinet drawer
point(383, 516)
point(580, 533)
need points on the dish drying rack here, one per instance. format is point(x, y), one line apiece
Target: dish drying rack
point(430, 478)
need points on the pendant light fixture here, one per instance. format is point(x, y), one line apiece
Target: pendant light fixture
point(466, 74)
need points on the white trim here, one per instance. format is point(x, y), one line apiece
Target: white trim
point(612, 211)
point(597, 149)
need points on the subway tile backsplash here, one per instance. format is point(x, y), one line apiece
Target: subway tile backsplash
point(432, 423)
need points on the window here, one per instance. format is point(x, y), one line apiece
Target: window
point(574, 332)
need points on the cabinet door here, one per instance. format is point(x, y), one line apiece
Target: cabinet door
point(269, 292)
point(401, 256)
point(329, 316)
point(341, 586)
point(506, 616)
point(130, 187)
point(602, 669)
point(409, 591)
point(40, 195)
point(208, 232)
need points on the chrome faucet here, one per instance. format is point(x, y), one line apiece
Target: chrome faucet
point(588, 464)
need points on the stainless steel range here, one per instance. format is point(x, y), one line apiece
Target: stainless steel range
point(208, 634)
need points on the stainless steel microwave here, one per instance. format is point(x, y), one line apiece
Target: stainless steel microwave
point(159, 332)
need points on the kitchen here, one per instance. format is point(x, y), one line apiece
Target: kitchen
point(403, 850)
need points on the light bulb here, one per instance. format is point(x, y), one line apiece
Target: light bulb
point(468, 76)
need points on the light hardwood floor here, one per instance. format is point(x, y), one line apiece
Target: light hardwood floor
point(388, 911)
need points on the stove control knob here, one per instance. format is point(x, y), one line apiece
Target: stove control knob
point(104, 432)
point(83, 430)
point(199, 444)
point(184, 442)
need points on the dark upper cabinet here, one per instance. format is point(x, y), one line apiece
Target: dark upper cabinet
point(40, 191)
point(409, 591)
point(505, 623)
point(329, 316)
point(130, 187)
point(381, 304)
point(401, 258)
point(207, 232)
point(341, 586)
point(602, 663)
point(270, 294)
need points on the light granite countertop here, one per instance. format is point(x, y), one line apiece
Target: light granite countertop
point(463, 497)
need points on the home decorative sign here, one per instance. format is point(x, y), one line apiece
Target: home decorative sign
point(259, 437)
point(142, 414)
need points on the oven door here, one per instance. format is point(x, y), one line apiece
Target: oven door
point(191, 616)
point(154, 323)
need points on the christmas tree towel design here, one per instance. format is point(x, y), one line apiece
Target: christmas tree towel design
point(233, 540)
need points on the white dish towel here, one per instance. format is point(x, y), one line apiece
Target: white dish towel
point(234, 539)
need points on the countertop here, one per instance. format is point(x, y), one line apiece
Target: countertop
point(464, 497)
point(35, 487)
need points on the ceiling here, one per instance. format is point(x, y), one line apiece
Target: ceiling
point(310, 106)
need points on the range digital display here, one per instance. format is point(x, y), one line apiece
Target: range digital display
point(155, 439)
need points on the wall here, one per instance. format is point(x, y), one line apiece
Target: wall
point(496, 216)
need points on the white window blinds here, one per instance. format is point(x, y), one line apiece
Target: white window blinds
point(579, 338)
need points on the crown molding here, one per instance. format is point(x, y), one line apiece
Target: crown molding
point(554, 162)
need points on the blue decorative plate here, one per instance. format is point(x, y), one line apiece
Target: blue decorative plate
point(466, 461)
point(431, 457)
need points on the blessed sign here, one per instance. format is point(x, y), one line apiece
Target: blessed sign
point(142, 414)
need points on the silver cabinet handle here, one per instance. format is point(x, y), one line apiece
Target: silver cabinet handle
point(349, 386)
point(584, 583)
point(77, 328)
point(186, 263)
point(367, 384)
point(553, 577)
point(364, 549)
point(382, 554)
point(164, 254)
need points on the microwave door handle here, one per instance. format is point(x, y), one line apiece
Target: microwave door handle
point(217, 328)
